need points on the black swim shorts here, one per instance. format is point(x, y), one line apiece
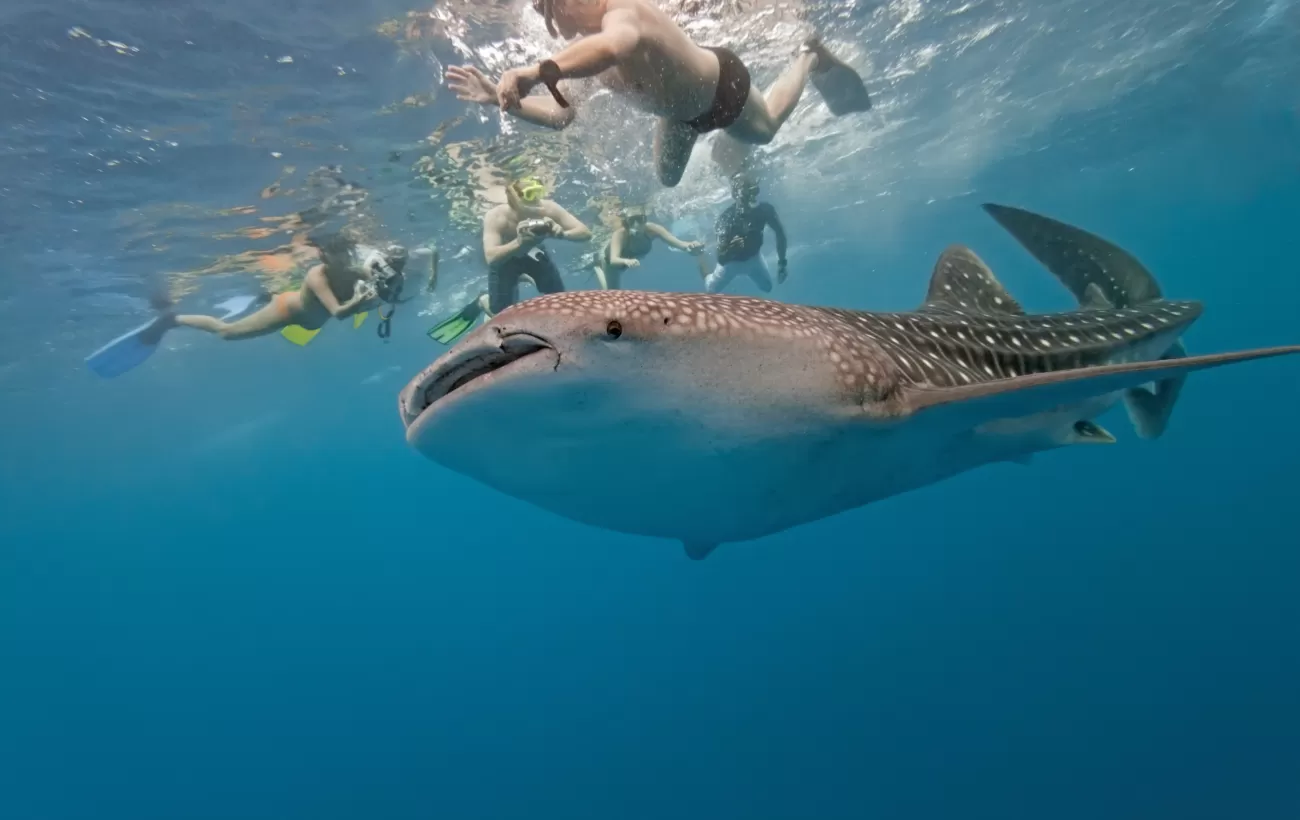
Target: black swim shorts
point(730, 98)
point(503, 281)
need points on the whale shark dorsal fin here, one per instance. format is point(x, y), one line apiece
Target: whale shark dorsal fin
point(698, 550)
point(1094, 299)
point(961, 282)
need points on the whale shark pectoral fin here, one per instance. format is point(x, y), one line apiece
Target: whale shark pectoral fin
point(1150, 405)
point(975, 404)
point(697, 550)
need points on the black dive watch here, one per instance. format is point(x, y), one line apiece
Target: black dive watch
point(549, 73)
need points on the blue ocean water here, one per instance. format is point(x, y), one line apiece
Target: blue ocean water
point(228, 588)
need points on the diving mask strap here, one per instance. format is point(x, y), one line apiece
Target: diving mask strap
point(550, 75)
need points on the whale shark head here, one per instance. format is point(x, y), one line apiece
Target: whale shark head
point(618, 405)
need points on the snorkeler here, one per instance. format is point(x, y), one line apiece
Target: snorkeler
point(636, 49)
point(740, 241)
point(350, 279)
point(512, 247)
point(633, 239)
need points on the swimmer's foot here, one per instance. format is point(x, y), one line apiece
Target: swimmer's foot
point(824, 59)
point(839, 84)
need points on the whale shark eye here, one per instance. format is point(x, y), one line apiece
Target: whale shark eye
point(614, 329)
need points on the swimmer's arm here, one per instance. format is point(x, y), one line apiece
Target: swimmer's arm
point(774, 222)
point(572, 228)
point(543, 111)
point(598, 53)
point(495, 249)
point(315, 280)
point(616, 249)
point(667, 236)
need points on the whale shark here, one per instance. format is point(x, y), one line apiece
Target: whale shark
point(712, 419)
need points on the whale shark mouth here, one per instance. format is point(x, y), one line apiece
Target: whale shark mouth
point(461, 372)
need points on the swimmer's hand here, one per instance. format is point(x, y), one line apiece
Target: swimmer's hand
point(781, 271)
point(535, 230)
point(363, 291)
point(628, 263)
point(515, 85)
point(471, 85)
point(694, 248)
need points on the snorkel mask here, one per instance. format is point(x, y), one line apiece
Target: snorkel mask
point(530, 190)
point(634, 220)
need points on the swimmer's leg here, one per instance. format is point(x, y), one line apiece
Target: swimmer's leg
point(674, 142)
point(720, 278)
point(610, 278)
point(764, 114)
point(270, 319)
point(756, 269)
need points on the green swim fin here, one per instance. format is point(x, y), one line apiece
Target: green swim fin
point(299, 335)
point(840, 86)
point(449, 330)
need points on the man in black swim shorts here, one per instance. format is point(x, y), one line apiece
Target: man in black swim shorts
point(512, 247)
point(638, 51)
point(512, 242)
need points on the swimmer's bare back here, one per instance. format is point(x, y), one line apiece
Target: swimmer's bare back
point(667, 73)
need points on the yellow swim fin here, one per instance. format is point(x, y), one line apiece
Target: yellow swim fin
point(299, 335)
point(359, 319)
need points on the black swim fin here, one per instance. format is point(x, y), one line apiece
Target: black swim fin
point(840, 86)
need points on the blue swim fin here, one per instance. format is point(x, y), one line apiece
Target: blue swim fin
point(129, 350)
point(840, 86)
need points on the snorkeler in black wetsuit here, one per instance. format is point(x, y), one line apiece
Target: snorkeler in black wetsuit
point(740, 241)
point(631, 242)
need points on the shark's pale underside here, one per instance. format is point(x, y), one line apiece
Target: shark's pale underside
point(711, 419)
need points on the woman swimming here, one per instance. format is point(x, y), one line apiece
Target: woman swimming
point(631, 242)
